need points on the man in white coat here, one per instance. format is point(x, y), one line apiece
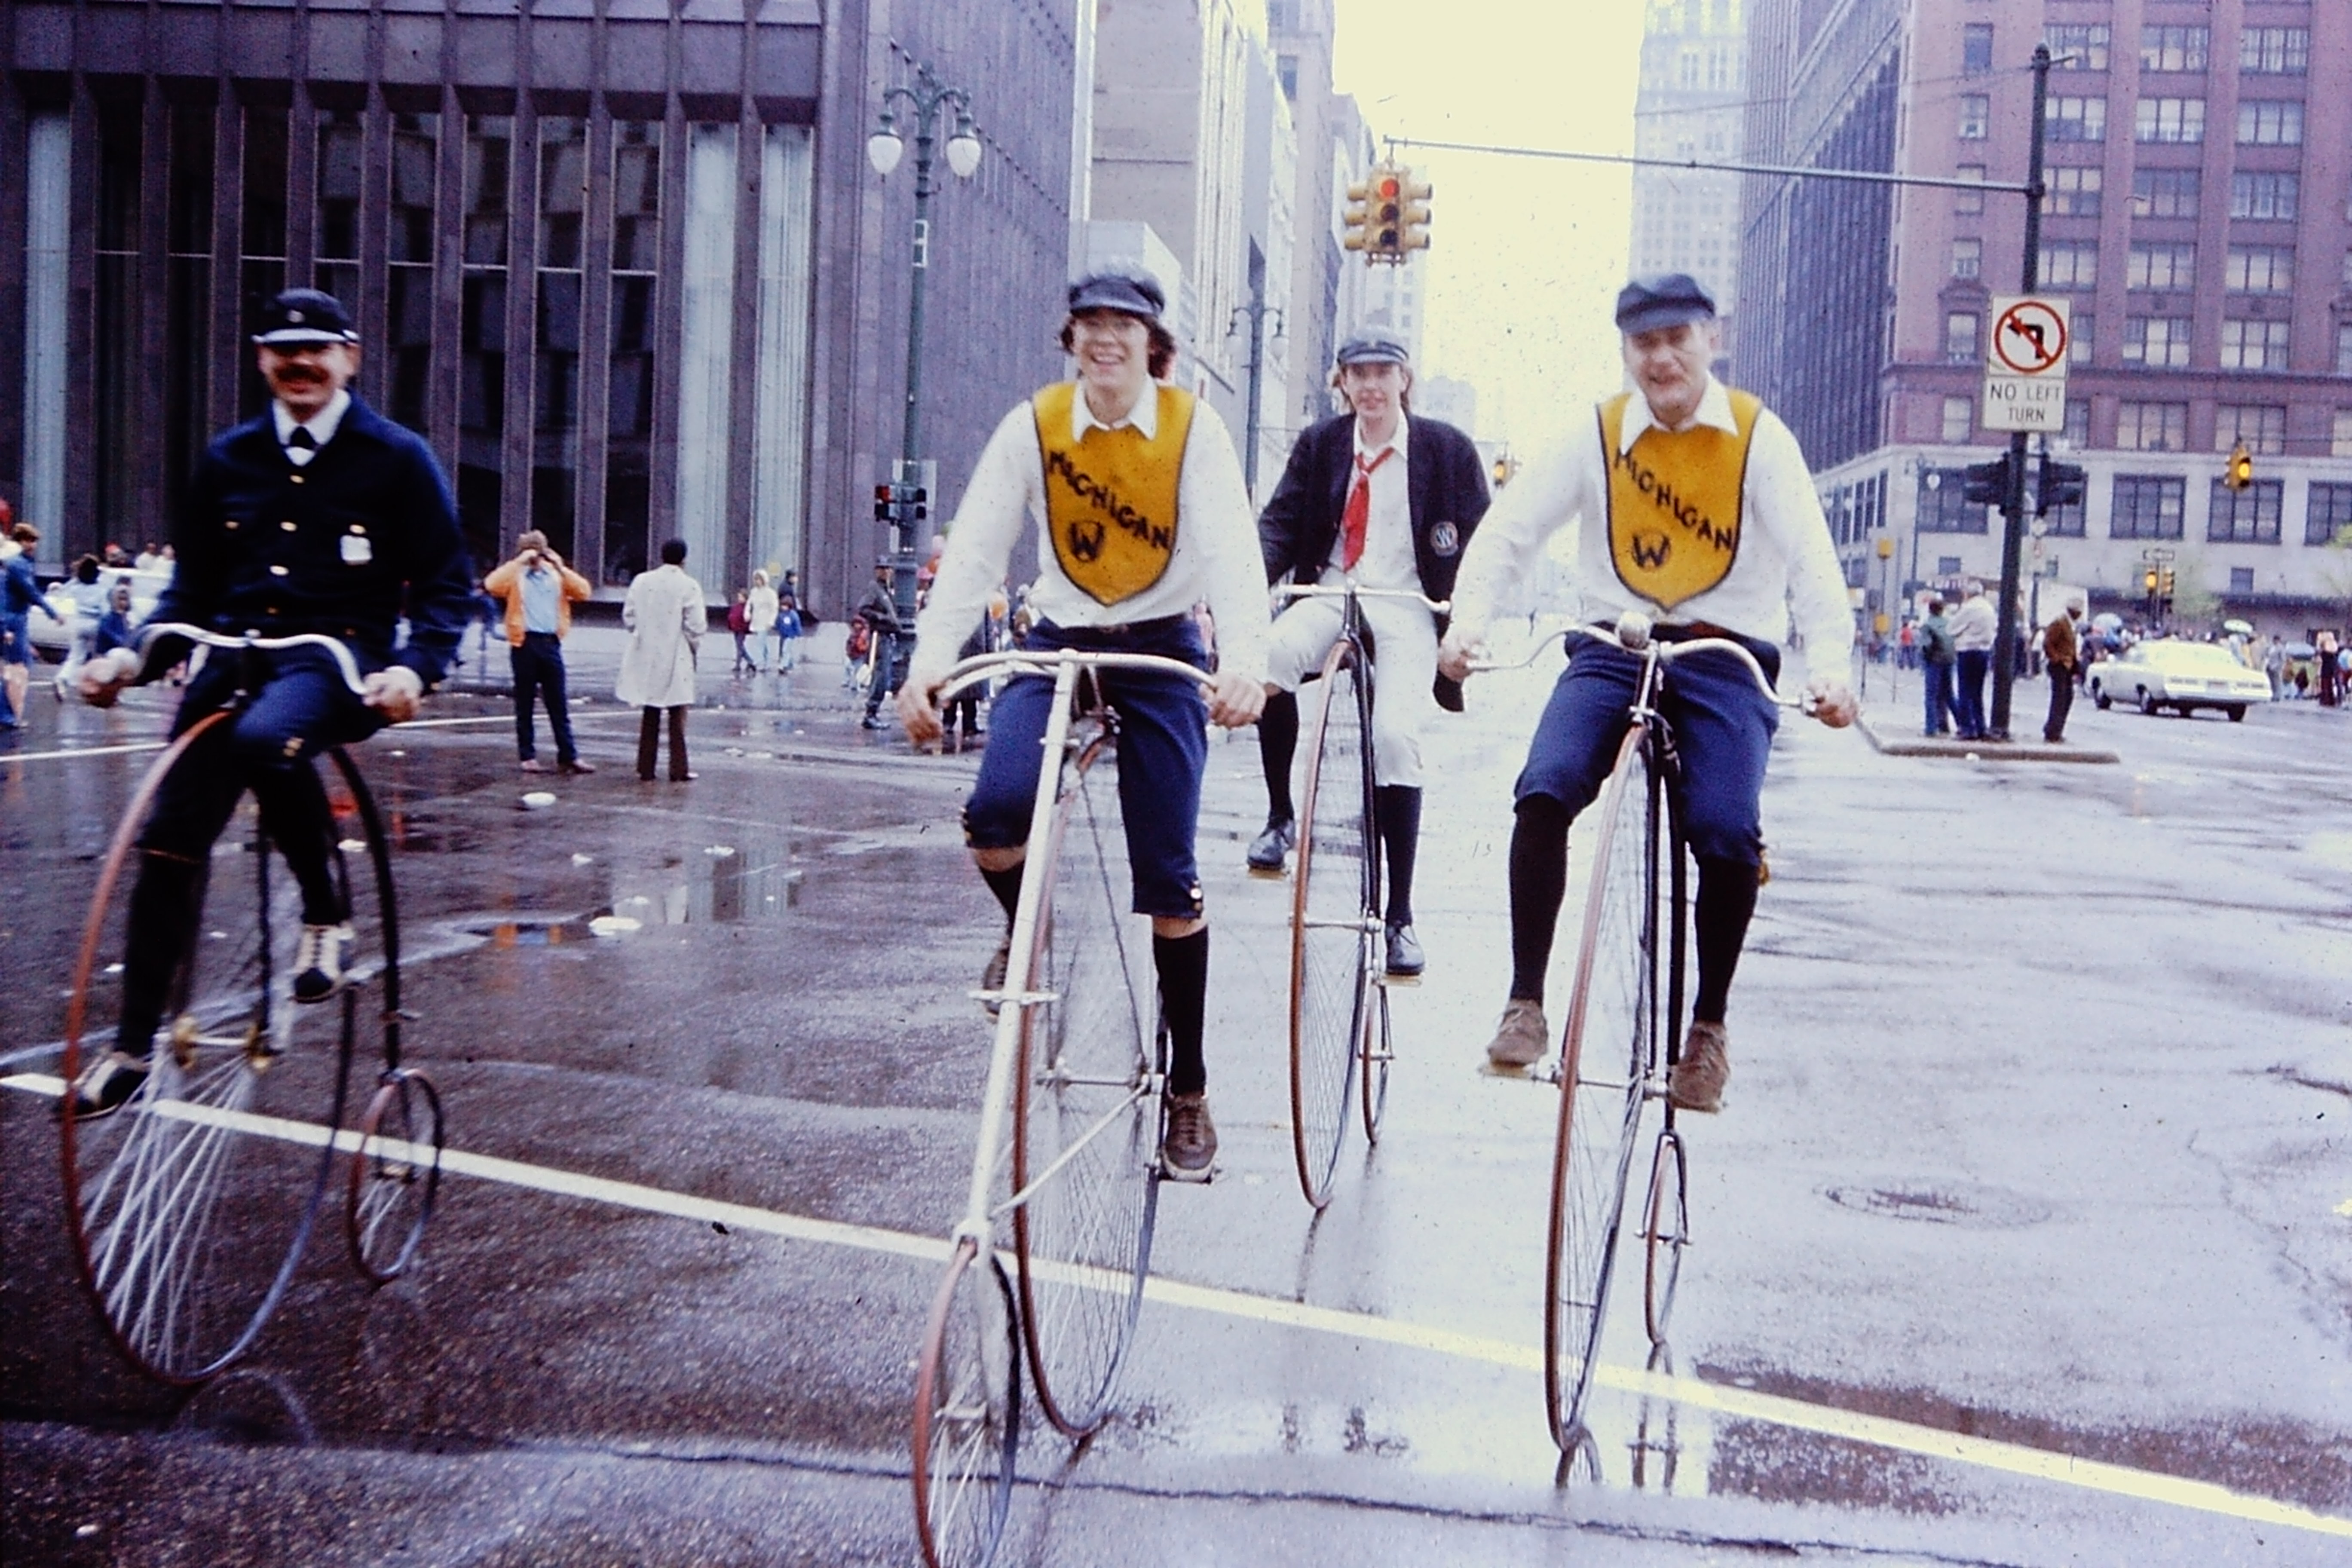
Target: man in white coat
point(665, 619)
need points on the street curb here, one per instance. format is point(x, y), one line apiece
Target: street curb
point(1983, 751)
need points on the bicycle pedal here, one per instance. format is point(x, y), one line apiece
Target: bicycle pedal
point(1544, 1071)
point(1282, 875)
point(1400, 982)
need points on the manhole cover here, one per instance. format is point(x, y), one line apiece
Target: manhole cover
point(1980, 1207)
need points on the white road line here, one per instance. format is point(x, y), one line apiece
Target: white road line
point(158, 745)
point(1903, 1436)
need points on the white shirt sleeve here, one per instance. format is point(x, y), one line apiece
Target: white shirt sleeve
point(1554, 490)
point(1790, 511)
point(994, 512)
point(1213, 501)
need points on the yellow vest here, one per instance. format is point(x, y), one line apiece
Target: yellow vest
point(1673, 502)
point(1110, 499)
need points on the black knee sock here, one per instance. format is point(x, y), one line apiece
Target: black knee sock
point(1727, 900)
point(164, 904)
point(1538, 882)
point(1397, 810)
point(1183, 965)
point(1277, 739)
point(1006, 886)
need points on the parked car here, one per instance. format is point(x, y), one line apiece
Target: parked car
point(2181, 676)
point(52, 639)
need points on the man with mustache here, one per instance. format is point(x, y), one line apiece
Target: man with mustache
point(1697, 510)
point(320, 515)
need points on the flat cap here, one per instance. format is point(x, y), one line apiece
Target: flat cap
point(1665, 299)
point(304, 316)
point(1373, 348)
point(1135, 295)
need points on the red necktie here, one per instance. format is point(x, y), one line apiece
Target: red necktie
point(1358, 513)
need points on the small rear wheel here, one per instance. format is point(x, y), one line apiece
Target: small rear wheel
point(1666, 1231)
point(396, 1176)
point(1379, 1055)
point(1335, 930)
point(967, 1413)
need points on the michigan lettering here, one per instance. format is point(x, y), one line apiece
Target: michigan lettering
point(1159, 536)
point(1695, 523)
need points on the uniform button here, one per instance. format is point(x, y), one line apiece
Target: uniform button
point(288, 525)
point(296, 478)
point(230, 524)
point(273, 609)
point(276, 572)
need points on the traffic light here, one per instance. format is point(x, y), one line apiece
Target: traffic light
point(1387, 234)
point(2148, 580)
point(2060, 485)
point(2241, 472)
point(2164, 584)
point(1359, 217)
point(1987, 483)
point(885, 502)
point(1416, 216)
point(917, 500)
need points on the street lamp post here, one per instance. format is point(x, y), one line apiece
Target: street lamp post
point(1255, 311)
point(884, 148)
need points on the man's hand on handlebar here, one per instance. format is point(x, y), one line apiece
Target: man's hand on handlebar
point(918, 712)
point(396, 692)
point(1456, 654)
point(1235, 699)
point(1831, 702)
point(103, 678)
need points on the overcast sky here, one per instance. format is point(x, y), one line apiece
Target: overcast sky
point(1525, 255)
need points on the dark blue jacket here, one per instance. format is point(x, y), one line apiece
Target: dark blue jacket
point(347, 545)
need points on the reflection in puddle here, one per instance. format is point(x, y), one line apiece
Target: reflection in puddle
point(717, 883)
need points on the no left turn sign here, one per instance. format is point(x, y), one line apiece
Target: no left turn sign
point(2029, 337)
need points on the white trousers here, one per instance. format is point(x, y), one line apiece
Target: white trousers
point(1404, 638)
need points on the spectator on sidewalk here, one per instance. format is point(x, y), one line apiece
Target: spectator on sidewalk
point(1936, 659)
point(2061, 656)
point(539, 590)
point(20, 595)
point(2275, 665)
point(1972, 638)
point(759, 608)
point(2331, 674)
point(788, 621)
point(666, 620)
point(738, 627)
point(881, 611)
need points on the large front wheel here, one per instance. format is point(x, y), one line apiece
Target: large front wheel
point(1604, 1058)
point(1335, 928)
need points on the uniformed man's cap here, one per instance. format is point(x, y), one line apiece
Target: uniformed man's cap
point(1666, 300)
point(1137, 296)
point(1373, 348)
point(304, 316)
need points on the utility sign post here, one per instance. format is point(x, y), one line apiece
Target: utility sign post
point(2025, 363)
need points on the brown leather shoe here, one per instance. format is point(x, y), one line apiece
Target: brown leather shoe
point(534, 765)
point(1697, 1083)
point(1190, 1145)
point(1522, 1038)
point(576, 767)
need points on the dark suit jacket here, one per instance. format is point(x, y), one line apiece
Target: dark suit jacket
point(1446, 491)
point(347, 545)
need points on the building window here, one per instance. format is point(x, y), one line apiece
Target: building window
point(2070, 264)
point(555, 381)
point(2173, 48)
point(2344, 349)
point(1285, 70)
point(1959, 418)
point(408, 296)
point(2250, 516)
point(2074, 119)
point(2242, 579)
point(2261, 270)
point(2081, 337)
point(637, 299)
point(2073, 192)
point(2261, 426)
point(482, 338)
point(2165, 193)
point(2254, 346)
point(1976, 48)
point(1976, 116)
point(2161, 264)
point(48, 312)
point(119, 390)
point(2274, 51)
point(706, 359)
point(2179, 120)
point(188, 310)
point(1968, 258)
point(780, 436)
point(1943, 503)
point(2147, 506)
point(1961, 337)
point(2265, 195)
point(2327, 516)
point(1947, 566)
point(2152, 428)
point(2077, 46)
point(1966, 202)
point(342, 148)
point(2270, 123)
point(2160, 341)
point(261, 235)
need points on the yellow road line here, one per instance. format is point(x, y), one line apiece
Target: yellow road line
point(1797, 1415)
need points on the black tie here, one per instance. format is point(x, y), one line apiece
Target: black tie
point(303, 440)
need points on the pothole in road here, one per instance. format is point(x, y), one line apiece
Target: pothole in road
point(1982, 1208)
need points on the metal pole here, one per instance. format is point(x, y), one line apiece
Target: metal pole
point(903, 570)
point(1256, 379)
point(2012, 535)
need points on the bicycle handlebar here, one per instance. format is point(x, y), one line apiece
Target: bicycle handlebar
point(972, 671)
point(350, 666)
point(1631, 634)
point(1319, 591)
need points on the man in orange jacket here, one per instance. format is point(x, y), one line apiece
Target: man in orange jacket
point(540, 591)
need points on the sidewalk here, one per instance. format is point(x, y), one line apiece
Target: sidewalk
point(1893, 698)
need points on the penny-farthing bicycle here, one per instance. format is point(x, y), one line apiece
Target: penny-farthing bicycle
point(190, 1203)
point(1339, 1004)
point(1069, 1134)
point(1622, 1037)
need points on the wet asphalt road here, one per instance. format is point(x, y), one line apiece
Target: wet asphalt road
point(2025, 1235)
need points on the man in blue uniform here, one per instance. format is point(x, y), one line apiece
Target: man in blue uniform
point(321, 515)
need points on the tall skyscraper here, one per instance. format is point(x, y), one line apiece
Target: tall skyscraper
point(1691, 104)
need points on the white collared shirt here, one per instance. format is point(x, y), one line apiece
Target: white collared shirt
point(322, 426)
point(1786, 566)
point(1217, 556)
point(1388, 560)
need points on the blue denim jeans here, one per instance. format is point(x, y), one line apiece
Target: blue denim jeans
point(1939, 688)
point(1974, 664)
